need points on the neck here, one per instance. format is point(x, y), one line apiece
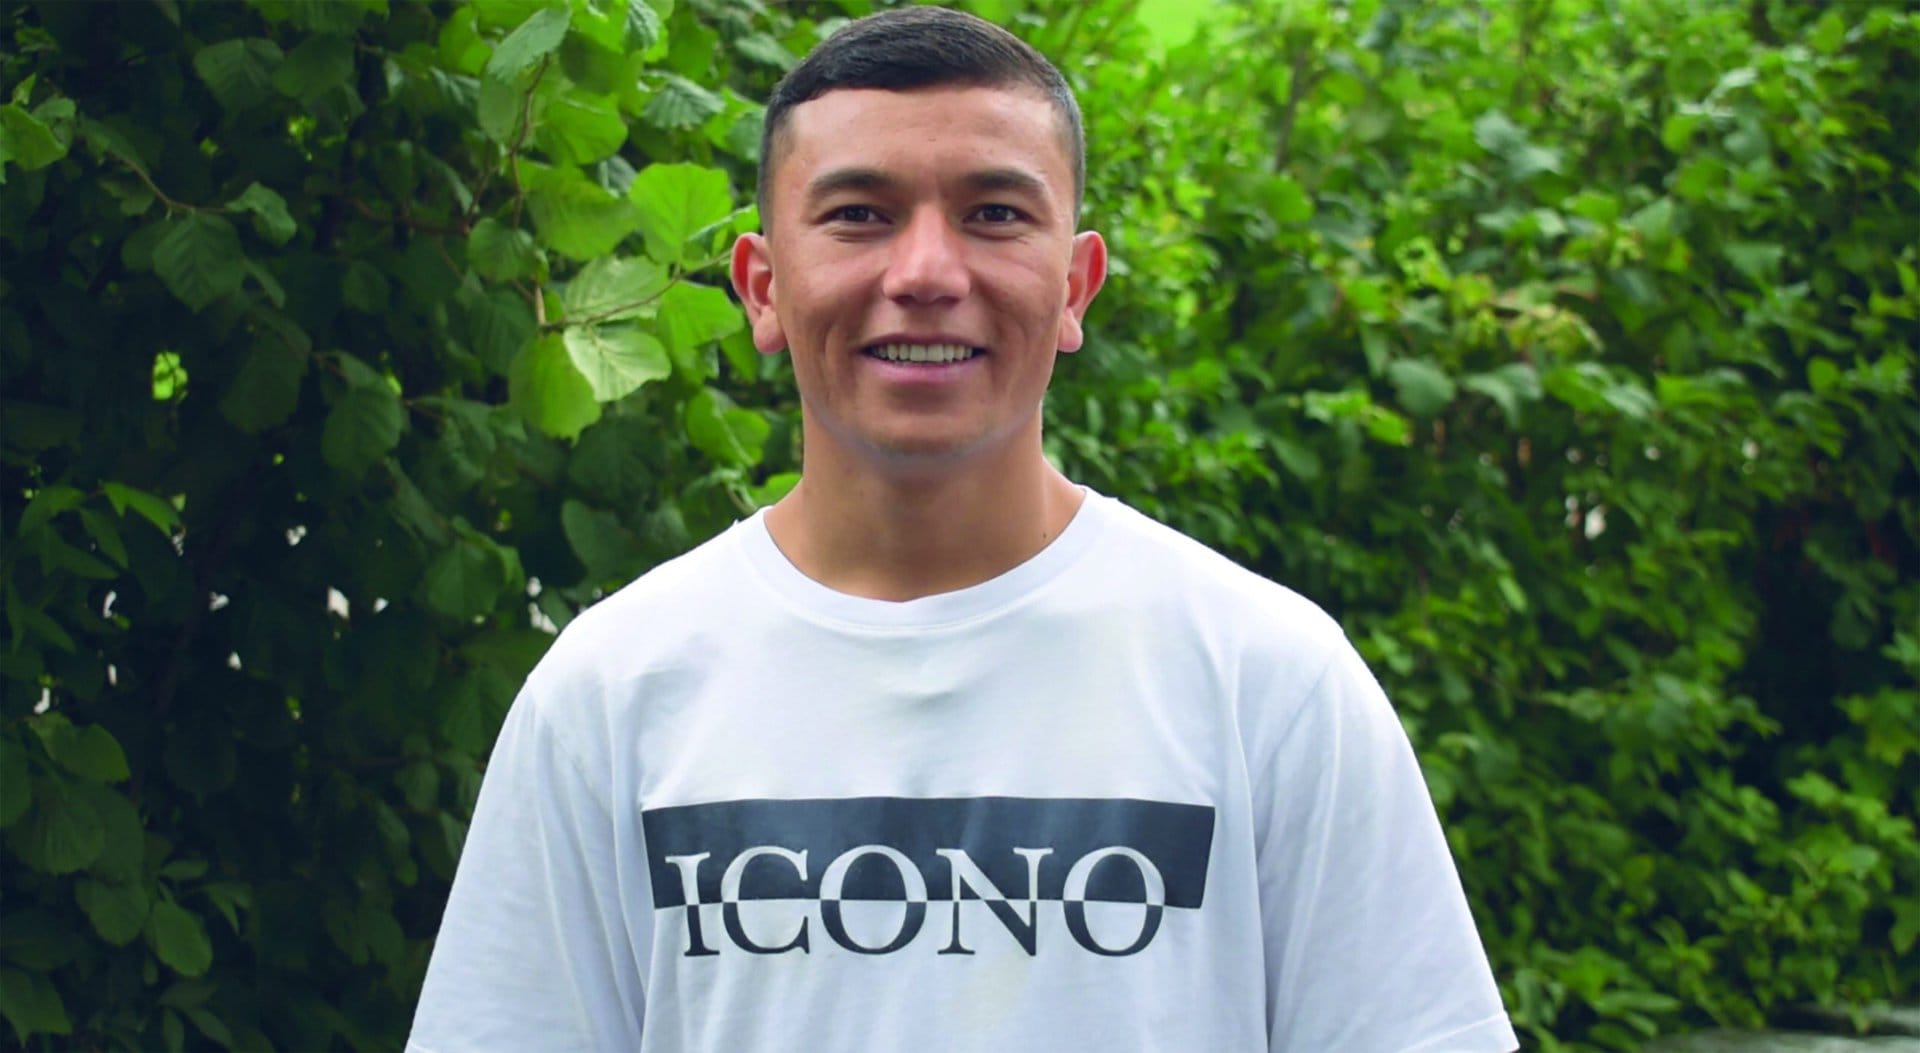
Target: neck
point(904, 535)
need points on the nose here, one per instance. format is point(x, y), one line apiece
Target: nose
point(927, 263)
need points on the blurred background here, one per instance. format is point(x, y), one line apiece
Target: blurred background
point(1564, 350)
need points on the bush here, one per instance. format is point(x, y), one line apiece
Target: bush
point(1565, 353)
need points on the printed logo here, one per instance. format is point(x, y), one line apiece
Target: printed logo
point(777, 872)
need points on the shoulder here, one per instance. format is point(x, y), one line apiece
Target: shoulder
point(1173, 571)
point(1271, 659)
point(657, 618)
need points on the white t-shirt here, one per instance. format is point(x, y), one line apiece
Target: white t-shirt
point(1125, 796)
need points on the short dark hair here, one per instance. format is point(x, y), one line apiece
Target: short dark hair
point(922, 47)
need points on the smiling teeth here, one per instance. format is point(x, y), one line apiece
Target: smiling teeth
point(923, 352)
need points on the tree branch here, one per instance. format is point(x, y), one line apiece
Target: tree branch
point(1299, 84)
point(620, 309)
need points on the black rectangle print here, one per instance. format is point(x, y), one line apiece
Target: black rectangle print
point(1177, 838)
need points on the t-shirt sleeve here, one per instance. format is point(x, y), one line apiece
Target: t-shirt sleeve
point(533, 951)
point(1370, 946)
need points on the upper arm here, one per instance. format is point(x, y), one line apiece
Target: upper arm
point(1369, 941)
point(534, 949)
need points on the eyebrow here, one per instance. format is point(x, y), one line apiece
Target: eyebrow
point(1004, 180)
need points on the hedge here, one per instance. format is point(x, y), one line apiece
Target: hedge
point(1563, 350)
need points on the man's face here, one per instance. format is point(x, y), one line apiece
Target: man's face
point(921, 266)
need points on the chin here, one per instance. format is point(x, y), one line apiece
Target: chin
point(931, 450)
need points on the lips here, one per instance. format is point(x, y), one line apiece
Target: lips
point(930, 354)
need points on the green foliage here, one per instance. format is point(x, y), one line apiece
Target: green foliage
point(1565, 351)
point(345, 350)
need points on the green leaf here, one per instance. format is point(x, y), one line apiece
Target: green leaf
point(179, 939)
point(692, 316)
point(419, 780)
point(1298, 458)
point(268, 284)
point(499, 324)
point(1654, 221)
point(499, 14)
point(574, 215)
point(365, 288)
point(313, 68)
point(187, 994)
point(1822, 375)
point(614, 288)
point(741, 354)
point(724, 431)
point(199, 258)
point(415, 512)
point(1508, 386)
point(464, 580)
point(580, 128)
point(384, 938)
point(49, 502)
point(674, 201)
point(269, 210)
point(453, 833)
point(124, 856)
point(318, 65)
point(765, 50)
point(26, 142)
point(501, 253)
point(1384, 425)
point(238, 72)
point(153, 509)
point(499, 106)
point(546, 389)
point(63, 833)
point(392, 828)
point(118, 910)
point(40, 940)
point(106, 143)
point(680, 104)
point(56, 553)
point(1758, 261)
point(16, 789)
point(364, 424)
point(777, 486)
point(616, 359)
point(604, 545)
point(1677, 132)
point(211, 1026)
point(533, 40)
point(1422, 387)
point(137, 251)
point(1287, 201)
point(327, 16)
point(1510, 589)
point(601, 23)
point(1498, 135)
point(90, 752)
point(36, 620)
point(267, 387)
point(32, 1005)
point(643, 26)
point(131, 195)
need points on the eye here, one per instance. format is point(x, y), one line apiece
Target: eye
point(998, 214)
point(853, 214)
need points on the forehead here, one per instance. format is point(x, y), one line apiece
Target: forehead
point(984, 127)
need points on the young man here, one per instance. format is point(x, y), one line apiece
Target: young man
point(942, 751)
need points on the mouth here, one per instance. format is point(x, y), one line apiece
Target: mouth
point(923, 354)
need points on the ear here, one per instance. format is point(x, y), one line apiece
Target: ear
point(1086, 272)
point(753, 280)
